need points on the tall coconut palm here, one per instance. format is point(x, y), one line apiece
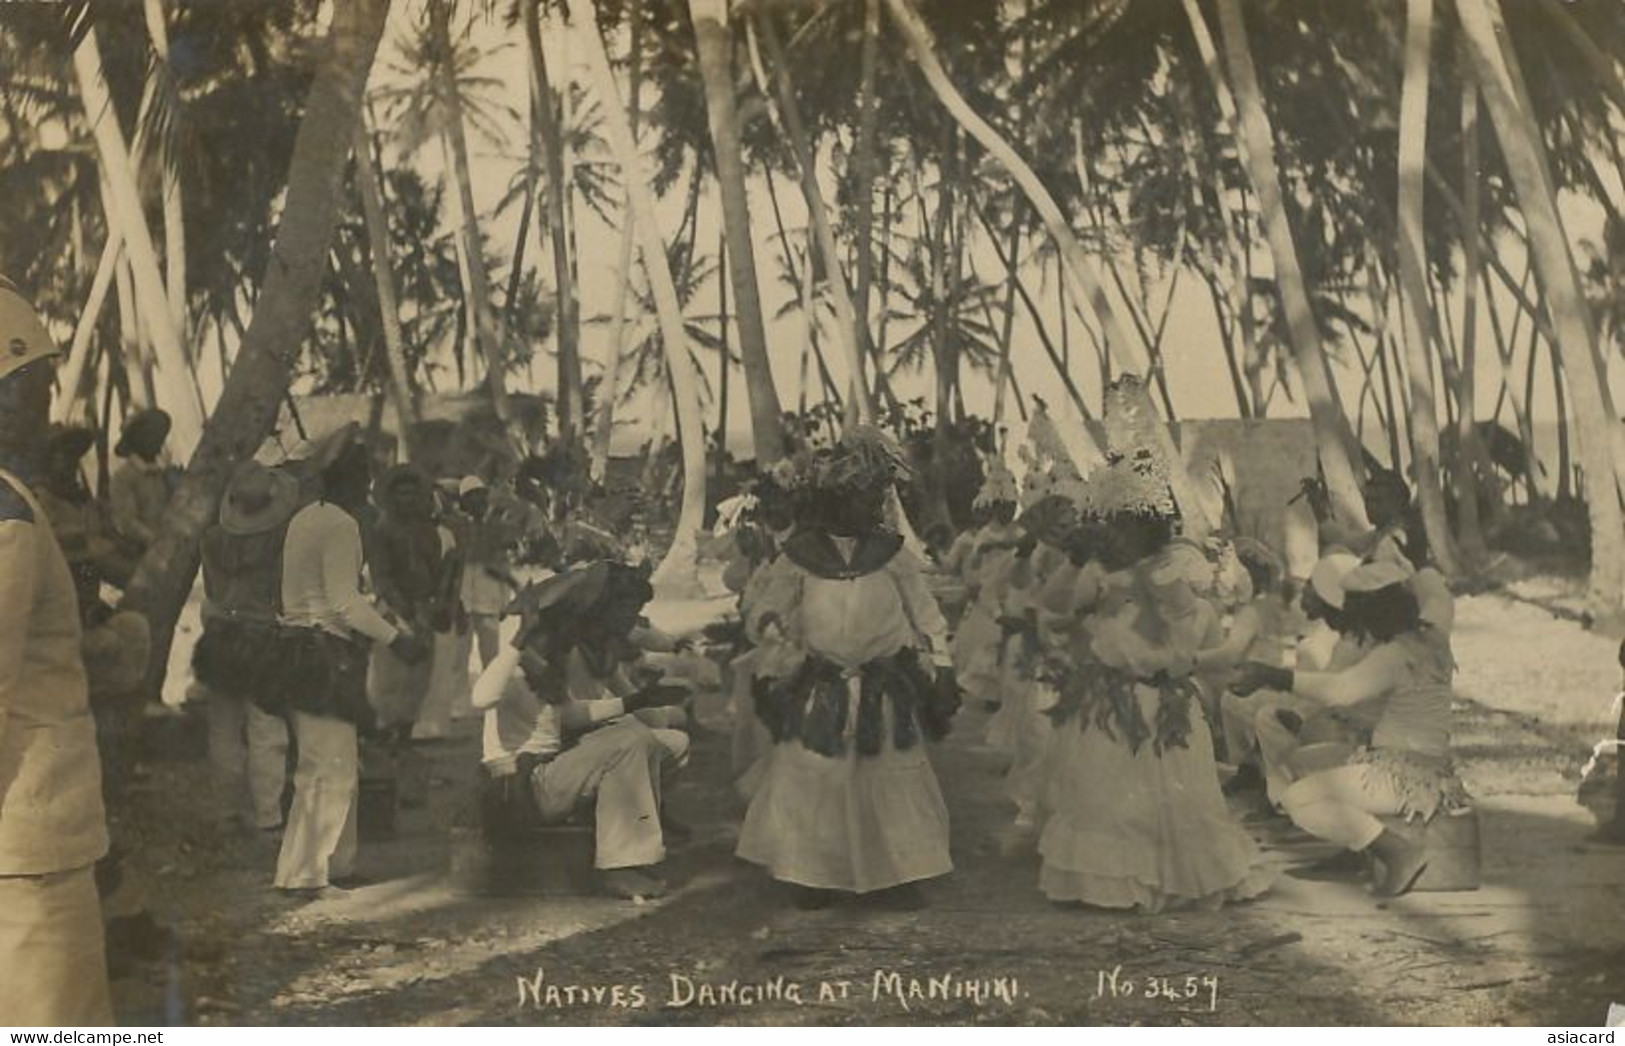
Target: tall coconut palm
point(677, 573)
point(124, 199)
point(1079, 267)
point(1499, 80)
point(253, 396)
point(546, 126)
point(372, 207)
point(173, 200)
point(1419, 319)
point(439, 97)
point(1255, 137)
point(715, 44)
point(802, 149)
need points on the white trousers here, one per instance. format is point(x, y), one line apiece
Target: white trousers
point(53, 959)
point(618, 767)
point(485, 635)
point(1341, 805)
point(449, 685)
point(320, 841)
point(248, 750)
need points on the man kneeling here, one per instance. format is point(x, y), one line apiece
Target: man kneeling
point(556, 736)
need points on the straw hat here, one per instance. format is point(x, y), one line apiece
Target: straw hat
point(258, 500)
point(23, 338)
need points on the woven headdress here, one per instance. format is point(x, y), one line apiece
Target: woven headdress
point(1135, 479)
point(999, 486)
point(1051, 472)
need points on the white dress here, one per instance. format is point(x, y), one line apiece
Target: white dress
point(847, 821)
point(1143, 825)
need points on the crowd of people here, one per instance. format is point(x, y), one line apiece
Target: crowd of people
point(1137, 677)
point(1135, 674)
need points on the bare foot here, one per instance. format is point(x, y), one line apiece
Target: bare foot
point(631, 884)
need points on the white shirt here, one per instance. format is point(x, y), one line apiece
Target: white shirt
point(518, 722)
point(321, 576)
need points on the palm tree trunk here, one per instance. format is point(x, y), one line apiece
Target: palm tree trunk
point(724, 364)
point(864, 162)
point(1255, 138)
point(677, 574)
point(71, 377)
point(1599, 427)
point(609, 387)
point(479, 281)
point(1469, 527)
point(127, 215)
point(1011, 265)
point(389, 309)
point(715, 44)
point(1007, 331)
point(546, 127)
point(174, 209)
point(252, 399)
point(1418, 318)
point(861, 400)
point(1078, 265)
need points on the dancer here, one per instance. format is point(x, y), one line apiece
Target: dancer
point(849, 801)
point(1133, 814)
point(982, 561)
point(1042, 572)
point(1407, 769)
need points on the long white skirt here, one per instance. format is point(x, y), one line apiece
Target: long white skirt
point(853, 823)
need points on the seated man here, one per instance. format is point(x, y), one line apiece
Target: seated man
point(1276, 728)
point(556, 735)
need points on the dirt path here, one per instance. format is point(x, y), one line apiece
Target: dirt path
point(1543, 942)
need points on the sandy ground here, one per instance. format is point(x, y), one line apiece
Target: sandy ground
point(1543, 942)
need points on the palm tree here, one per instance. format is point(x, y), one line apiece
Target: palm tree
point(715, 43)
point(444, 107)
point(252, 398)
point(1079, 267)
point(549, 134)
point(1254, 135)
point(677, 573)
point(162, 84)
point(802, 149)
point(1413, 116)
point(128, 215)
point(1500, 82)
point(372, 207)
